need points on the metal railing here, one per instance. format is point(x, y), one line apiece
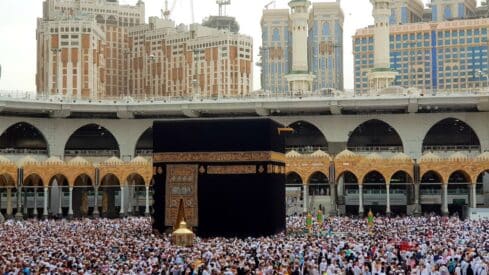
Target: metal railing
point(92, 153)
point(256, 95)
point(13, 151)
point(306, 149)
point(451, 148)
point(372, 149)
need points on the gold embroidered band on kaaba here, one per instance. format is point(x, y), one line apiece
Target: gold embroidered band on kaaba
point(253, 156)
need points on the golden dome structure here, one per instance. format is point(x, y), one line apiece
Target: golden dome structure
point(183, 236)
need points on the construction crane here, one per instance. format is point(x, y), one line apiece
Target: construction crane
point(167, 12)
point(268, 5)
point(222, 6)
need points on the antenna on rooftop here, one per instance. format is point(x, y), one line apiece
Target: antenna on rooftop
point(222, 6)
point(166, 13)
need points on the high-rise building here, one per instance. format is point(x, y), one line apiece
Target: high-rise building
point(311, 57)
point(113, 19)
point(181, 61)
point(406, 11)
point(71, 59)
point(448, 54)
point(326, 45)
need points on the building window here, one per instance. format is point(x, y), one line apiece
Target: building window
point(276, 35)
point(326, 29)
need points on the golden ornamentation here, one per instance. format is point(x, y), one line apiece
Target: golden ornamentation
point(261, 169)
point(231, 170)
point(254, 156)
point(202, 169)
point(181, 184)
point(275, 169)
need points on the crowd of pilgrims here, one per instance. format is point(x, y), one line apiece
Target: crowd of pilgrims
point(342, 245)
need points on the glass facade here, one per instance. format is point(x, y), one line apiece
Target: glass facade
point(447, 56)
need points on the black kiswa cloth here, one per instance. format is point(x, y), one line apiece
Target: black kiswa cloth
point(230, 204)
point(217, 135)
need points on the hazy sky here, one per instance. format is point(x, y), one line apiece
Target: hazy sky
point(18, 31)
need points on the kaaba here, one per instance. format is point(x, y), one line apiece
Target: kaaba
point(230, 174)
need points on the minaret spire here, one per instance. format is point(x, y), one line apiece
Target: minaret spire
point(381, 76)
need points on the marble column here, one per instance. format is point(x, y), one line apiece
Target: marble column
point(45, 209)
point(146, 210)
point(70, 203)
point(306, 196)
point(388, 195)
point(122, 201)
point(24, 205)
point(60, 196)
point(130, 197)
point(9, 203)
point(417, 205)
point(360, 200)
point(95, 203)
point(18, 214)
point(444, 200)
point(332, 191)
point(473, 191)
point(34, 212)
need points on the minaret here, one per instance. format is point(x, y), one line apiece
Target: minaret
point(381, 76)
point(299, 78)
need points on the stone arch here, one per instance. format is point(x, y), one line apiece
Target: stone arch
point(306, 135)
point(400, 176)
point(373, 175)
point(450, 132)
point(317, 177)
point(318, 183)
point(91, 138)
point(144, 143)
point(135, 177)
point(7, 180)
point(348, 173)
point(460, 176)
point(293, 178)
point(58, 186)
point(136, 192)
point(375, 133)
point(479, 177)
point(109, 185)
point(82, 186)
point(24, 136)
point(107, 177)
point(33, 180)
point(432, 176)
